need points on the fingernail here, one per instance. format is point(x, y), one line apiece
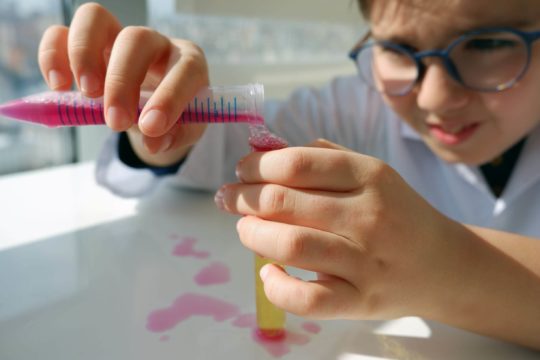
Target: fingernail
point(166, 143)
point(154, 121)
point(218, 198)
point(118, 118)
point(56, 79)
point(89, 83)
point(238, 174)
point(263, 273)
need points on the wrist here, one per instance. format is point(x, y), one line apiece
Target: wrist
point(133, 140)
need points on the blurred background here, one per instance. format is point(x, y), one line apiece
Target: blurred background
point(281, 44)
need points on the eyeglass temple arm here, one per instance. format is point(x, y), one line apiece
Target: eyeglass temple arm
point(532, 36)
point(358, 45)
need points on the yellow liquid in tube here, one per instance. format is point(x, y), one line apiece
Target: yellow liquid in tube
point(270, 319)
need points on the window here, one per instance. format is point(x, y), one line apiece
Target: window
point(282, 44)
point(26, 146)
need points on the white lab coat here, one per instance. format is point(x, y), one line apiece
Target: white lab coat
point(350, 114)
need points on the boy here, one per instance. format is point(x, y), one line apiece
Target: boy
point(415, 219)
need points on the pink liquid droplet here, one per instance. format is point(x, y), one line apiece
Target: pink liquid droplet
point(164, 338)
point(282, 346)
point(261, 139)
point(185, 248)
point(215, 273)
point(189, 305)
point(276, 347)
point(311, 327)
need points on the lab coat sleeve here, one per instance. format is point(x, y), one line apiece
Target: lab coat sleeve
point(335, 112)
point(209, 163)
point(119, 178)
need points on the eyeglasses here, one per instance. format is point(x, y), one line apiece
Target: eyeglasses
point(487, 60)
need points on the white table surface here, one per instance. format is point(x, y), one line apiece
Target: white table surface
point(81, 271)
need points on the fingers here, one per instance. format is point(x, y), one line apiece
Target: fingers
point(298, 246)
point(288, 205)
point(322, 299)
point(53, 59)
point(307, 167)
point(185, 75)
point(127, 68)
point(106, 59)
point(91, 35)
point(323, 143)
point(179, 135)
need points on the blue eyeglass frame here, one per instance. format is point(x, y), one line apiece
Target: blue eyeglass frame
point(528, 38)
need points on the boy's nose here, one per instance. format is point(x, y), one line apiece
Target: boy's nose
point(438, 92)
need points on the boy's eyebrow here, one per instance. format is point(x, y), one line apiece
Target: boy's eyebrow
point(398, 39)
point(518, 24)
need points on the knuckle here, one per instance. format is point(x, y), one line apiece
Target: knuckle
point(273, 199)
point(189, 49)
point(332, 251)
point(135, 34)
point(292, 244)
point(116, 80)
point(80, 51)
point(167, 94)
point(295, 164)
point(312, 301)
point(195, 64)
point(380, 172)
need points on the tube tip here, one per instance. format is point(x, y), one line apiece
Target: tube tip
point(270, 334)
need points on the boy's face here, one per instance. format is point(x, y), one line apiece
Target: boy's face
point(458, 124)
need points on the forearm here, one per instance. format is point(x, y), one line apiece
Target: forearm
point(496, 287)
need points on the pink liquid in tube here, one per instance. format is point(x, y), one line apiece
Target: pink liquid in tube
point(270, 319)
point(216, 104)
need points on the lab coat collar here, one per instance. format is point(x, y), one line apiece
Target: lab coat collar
point(527, 170)
point(526, 173)
point(408, 132)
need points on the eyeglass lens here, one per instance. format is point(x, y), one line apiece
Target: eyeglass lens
point(487, 62)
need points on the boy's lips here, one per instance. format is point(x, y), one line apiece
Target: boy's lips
point(454, 134)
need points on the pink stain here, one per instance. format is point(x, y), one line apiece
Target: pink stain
point(215, 273)
point(275, 347)
point(246, 321)
point(185, 248)
point(311, 327)
point(186, 306)
point(164, 338)
point(281, 347)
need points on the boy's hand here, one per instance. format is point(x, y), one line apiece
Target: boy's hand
point(351, 219)
point(106, 59)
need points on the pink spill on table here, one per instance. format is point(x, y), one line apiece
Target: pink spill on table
point(311, 327)
point(281, 347)
point(215, 273)
point(185, 248)
point(276, 348)
point(188, 305)
point(245, 321)
point(164, 338)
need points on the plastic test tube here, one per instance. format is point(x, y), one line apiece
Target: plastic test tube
point(215, 104)
point(270, 319)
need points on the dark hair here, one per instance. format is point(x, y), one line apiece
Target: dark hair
point(365, 6)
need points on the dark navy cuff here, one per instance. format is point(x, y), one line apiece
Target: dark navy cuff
point(129, 158)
